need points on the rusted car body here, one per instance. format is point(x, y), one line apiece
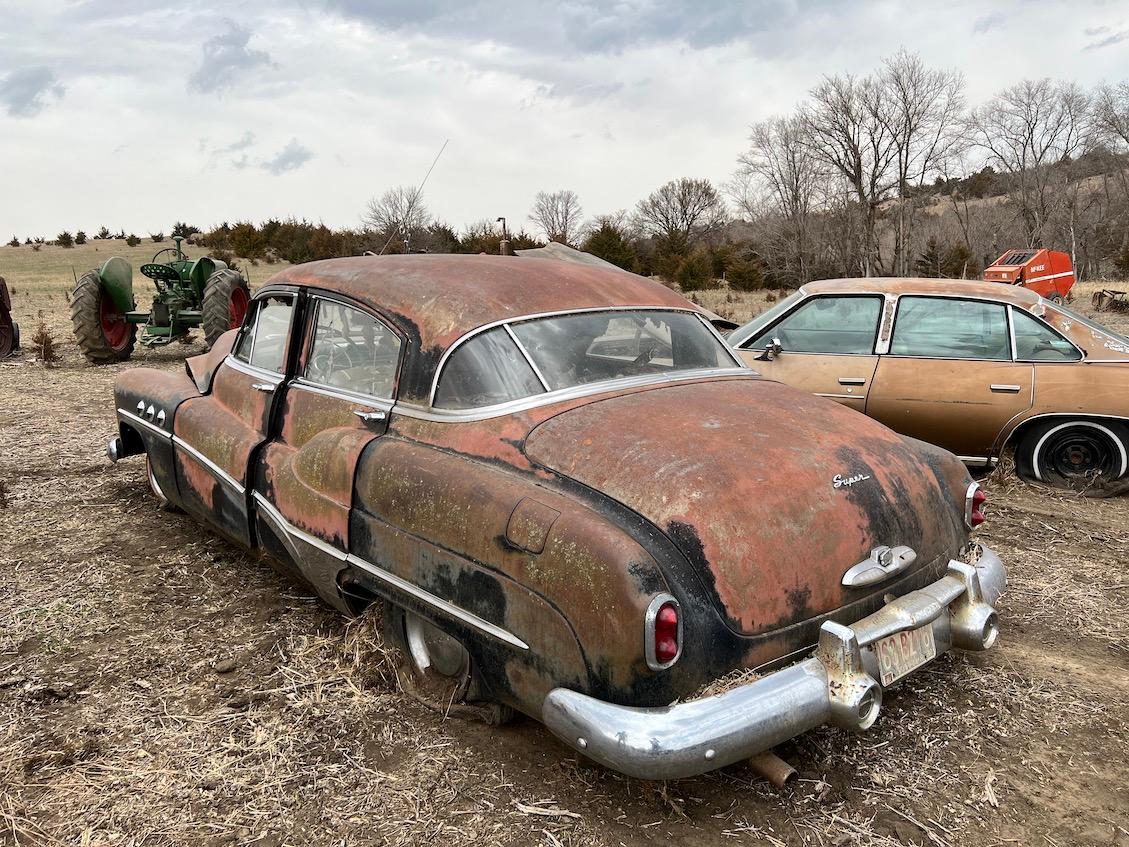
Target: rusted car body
point(972, 368)
point(573, 500)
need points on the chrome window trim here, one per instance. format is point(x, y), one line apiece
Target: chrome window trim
point(886, 328)
point(529, 359)
point(652, 614)
point(253, 370)
point(1011, 333)
point(1039, 320)
point(132, 418)
point(215, 469)
point(467, 336)
point(304, 384)
point(547, 398)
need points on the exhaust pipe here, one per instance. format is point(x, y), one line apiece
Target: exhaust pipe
point(771, 767)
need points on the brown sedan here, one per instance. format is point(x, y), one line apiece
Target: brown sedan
point(973, 368)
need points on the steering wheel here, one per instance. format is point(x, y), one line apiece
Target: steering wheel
point(176, 254)
point(645, 356)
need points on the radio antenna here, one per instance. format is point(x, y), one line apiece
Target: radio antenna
point(412, 203)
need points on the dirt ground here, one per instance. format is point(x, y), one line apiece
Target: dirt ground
point(159, 687)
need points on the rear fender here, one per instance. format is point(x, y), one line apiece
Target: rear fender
point(117, 279)
point(201, 270)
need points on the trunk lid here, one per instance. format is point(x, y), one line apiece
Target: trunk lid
point(770, 493)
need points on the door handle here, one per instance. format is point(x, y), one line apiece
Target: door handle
point(370, 417)
point(265, 387)
point(1006, 389)
point(852, 380)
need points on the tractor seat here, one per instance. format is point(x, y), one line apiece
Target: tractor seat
point(161, 272)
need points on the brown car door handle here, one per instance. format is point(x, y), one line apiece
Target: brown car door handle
point(265, 387)
point(369, 417)
point(852, 380)
point(1007, 389)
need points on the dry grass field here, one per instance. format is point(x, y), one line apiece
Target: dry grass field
point(159, 687)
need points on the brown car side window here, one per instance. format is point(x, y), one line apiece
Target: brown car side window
point(353, 351)
point(845, 324)
point(1037, 342)
point(950, 328)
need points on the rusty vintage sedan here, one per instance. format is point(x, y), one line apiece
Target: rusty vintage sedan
point(974, 368)
point(573, 500)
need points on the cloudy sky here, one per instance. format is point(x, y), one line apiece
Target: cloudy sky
point(134, 114)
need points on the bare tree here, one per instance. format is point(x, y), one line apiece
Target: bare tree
point(781, 168)
point(846, 127)
point(398, 214)
point(681, 214)
point(923, 114)
point(558, 215)
point(1028, 129)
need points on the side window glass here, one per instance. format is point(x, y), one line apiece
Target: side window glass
point(1035, 341)
point(827, 325)
point(353, 351)
point(272, 329)
point(486, 370)
point(943, 328)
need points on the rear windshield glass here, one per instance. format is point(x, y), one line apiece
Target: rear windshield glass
point(577, 349)
point(571, 350)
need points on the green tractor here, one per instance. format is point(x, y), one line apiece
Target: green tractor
point(190, 293)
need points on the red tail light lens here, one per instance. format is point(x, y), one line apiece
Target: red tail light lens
point(664, 633)
point(978, 499)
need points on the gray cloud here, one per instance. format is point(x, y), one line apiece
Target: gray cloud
point(588, 26)
point(987, 23)
point(1109, 40)
point(289, 158)
point(24, 93)
point(226, 57)
point(1095, 30)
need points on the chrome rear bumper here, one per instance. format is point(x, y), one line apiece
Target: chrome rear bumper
point(838, 684)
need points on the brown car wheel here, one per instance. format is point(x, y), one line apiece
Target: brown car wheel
point(1074, 453)
point(436, 668)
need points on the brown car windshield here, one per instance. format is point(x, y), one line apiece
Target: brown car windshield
point(566, 351)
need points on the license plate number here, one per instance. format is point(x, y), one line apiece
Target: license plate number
point(903, 652)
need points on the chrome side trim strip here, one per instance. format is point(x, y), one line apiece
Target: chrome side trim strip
point(132, 418)
point(438, 603)
point(978, 460)
point(547, 398)
point(215, 469)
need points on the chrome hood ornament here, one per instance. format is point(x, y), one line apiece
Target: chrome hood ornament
point(883, 563)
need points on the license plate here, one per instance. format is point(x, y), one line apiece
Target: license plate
point(903, 652)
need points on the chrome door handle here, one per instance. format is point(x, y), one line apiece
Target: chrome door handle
point(1007, 389)
point(265, 387)
point(369, 417)
point(882, 564)
point(852, 380)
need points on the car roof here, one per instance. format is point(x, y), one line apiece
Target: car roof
point(1016, 295)
point(435, 299)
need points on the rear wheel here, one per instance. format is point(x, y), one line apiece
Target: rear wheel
point(102, 332)
point(226, 296)
point(436, 667)
point(8, 337)
point(1074, 453)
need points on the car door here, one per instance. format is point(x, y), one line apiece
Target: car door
point(827, 347)
point(217, 436)
point(949, 376)
point(338, 402)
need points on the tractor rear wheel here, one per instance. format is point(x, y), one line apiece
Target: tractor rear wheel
point(103, 334)
point(226, 296)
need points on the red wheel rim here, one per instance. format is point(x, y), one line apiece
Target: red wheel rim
point(237, 307)
point(115, 328)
